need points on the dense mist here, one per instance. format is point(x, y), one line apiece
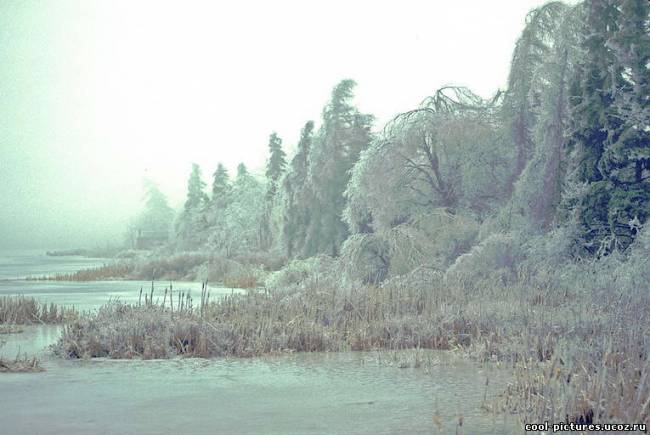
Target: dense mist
point(97, 97)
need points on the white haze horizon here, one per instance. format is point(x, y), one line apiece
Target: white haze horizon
point(97, 96)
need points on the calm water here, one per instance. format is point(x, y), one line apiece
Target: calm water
point(319, 393)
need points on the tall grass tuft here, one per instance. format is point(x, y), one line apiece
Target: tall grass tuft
point(27, 310)
point(245, 280)
point(20, 364)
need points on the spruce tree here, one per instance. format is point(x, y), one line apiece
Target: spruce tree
point(626, 160)
point(248, 209)
point(296, 207)
point(276, 164)
point(610, 145)
point(242, 173)
point(157, 215)
point(344, 133)
point(192, 224)
point(196, 197)
point(221, 196)
point(220, 183)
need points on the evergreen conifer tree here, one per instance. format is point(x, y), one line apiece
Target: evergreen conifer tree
point(196, 197)
point(610, 145)
point(220, 183)
point(344, 133)
point(296, 207)
point(276, 164)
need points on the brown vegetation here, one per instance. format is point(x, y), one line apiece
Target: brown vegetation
point(241, 280)
point(21, 364)
point(241, 272)
point(107, 271)
point(18, 310)
point(574, 351)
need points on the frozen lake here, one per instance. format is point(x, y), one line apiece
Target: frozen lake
point(15, 266)
point(317, 393)
point(20, 264)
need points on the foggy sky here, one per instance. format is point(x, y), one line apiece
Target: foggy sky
point(95, 96)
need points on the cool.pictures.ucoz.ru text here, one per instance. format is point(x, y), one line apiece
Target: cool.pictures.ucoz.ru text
point(569, 427)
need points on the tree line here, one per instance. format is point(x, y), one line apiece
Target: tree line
point(565, 146)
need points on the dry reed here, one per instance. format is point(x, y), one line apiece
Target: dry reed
point(107, 271)
point(15, 310)
point(21, 364)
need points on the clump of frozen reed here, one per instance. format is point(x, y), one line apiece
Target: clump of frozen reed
point(27, 310)
point(245, 280)
point(258, 322)
point(584, 360)
point(20, 364)
point(107, 271)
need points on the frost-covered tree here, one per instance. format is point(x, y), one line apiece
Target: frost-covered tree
point(525, 86)
point(237, 227)
point(449, 154)
point(191, 225)
point(157, 215)
point(344, 133)
point(275, 165)
point(221, 197)
point(416, 194)
point(626, 161)
point(631, 48)
point(611, 149)
point(220, 183)
point(553, 31)
point(275, 168)
point(196, 197)
point(297, 195)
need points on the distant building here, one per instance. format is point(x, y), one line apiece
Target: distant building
point(148, 239)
